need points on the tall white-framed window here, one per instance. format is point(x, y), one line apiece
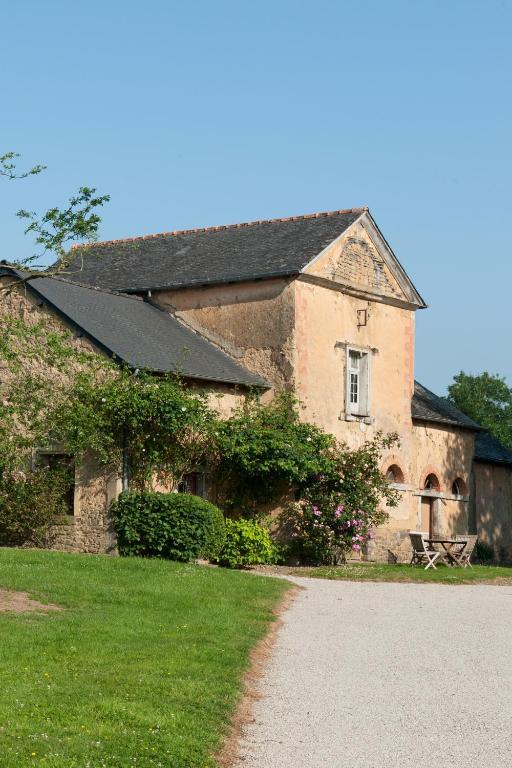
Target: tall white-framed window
point(357, 386)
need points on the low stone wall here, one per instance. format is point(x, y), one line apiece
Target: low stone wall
point(389, 546)
point(95, 536)
point(90, 529)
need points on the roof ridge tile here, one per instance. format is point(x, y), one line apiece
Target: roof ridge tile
point(220, 227)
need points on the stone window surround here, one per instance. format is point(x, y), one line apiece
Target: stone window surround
point(346, 346)
point(57, 450)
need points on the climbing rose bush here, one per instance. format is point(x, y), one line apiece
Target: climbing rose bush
point(337, 511)
point(324, 534)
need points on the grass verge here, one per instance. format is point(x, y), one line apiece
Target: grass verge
point(143, 667)
point(486, 574)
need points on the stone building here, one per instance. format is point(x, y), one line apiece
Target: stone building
point(319, 304)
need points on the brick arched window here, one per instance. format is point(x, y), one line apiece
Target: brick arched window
point(431, 483)
point(394, 474)
point(459, 487)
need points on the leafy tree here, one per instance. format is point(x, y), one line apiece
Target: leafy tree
point(55, 229)
point(487, 399)
point(264, 450)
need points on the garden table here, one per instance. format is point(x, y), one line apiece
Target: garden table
point(449, 545)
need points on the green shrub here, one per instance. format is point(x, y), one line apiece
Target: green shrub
point(177, 526)
point(247, 543)
point(31, 503)
point(484, 553)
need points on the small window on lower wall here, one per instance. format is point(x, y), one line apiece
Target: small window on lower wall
point(394, 474)
point(64, 465)
point(459, 487)
point(194, 483)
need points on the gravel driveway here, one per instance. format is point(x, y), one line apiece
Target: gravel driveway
point(372, 675)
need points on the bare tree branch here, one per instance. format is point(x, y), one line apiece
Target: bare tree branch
point(56, 228)
point(8, 167)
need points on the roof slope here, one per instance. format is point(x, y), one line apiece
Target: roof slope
point(490, 451)
point(259, 249)
point(139, 334)
point(426, 406)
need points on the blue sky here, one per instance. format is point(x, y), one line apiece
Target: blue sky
point(202, 113)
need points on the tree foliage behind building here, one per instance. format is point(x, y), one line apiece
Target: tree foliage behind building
point(487, 399)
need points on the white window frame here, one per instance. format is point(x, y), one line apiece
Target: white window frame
point(362, 407)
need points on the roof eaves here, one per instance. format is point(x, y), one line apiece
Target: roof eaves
point(489, 450)
point(487, 460)
point(239, 278)
point(446, 422)
point(432, 403)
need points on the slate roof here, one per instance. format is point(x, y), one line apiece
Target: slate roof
point(139, 334)
point(426, 406)
point(259, 249)
point(490, 451)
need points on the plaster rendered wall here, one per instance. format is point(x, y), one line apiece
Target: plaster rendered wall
point(252, 321)
point(493, 507)
point(222, 398)
point(446, 452)
point(326, 322)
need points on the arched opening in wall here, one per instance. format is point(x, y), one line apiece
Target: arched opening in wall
point(459, 487)
point(394, 474)
point(428, 506)
point(431, 483)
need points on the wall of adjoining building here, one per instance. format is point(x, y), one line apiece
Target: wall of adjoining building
point(90, 527)
point(493, 507)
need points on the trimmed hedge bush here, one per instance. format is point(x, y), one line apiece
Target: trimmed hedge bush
point(247, 543)
point(177, 526)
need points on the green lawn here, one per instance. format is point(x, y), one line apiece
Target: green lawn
point(142, 667)
point(401, 572)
